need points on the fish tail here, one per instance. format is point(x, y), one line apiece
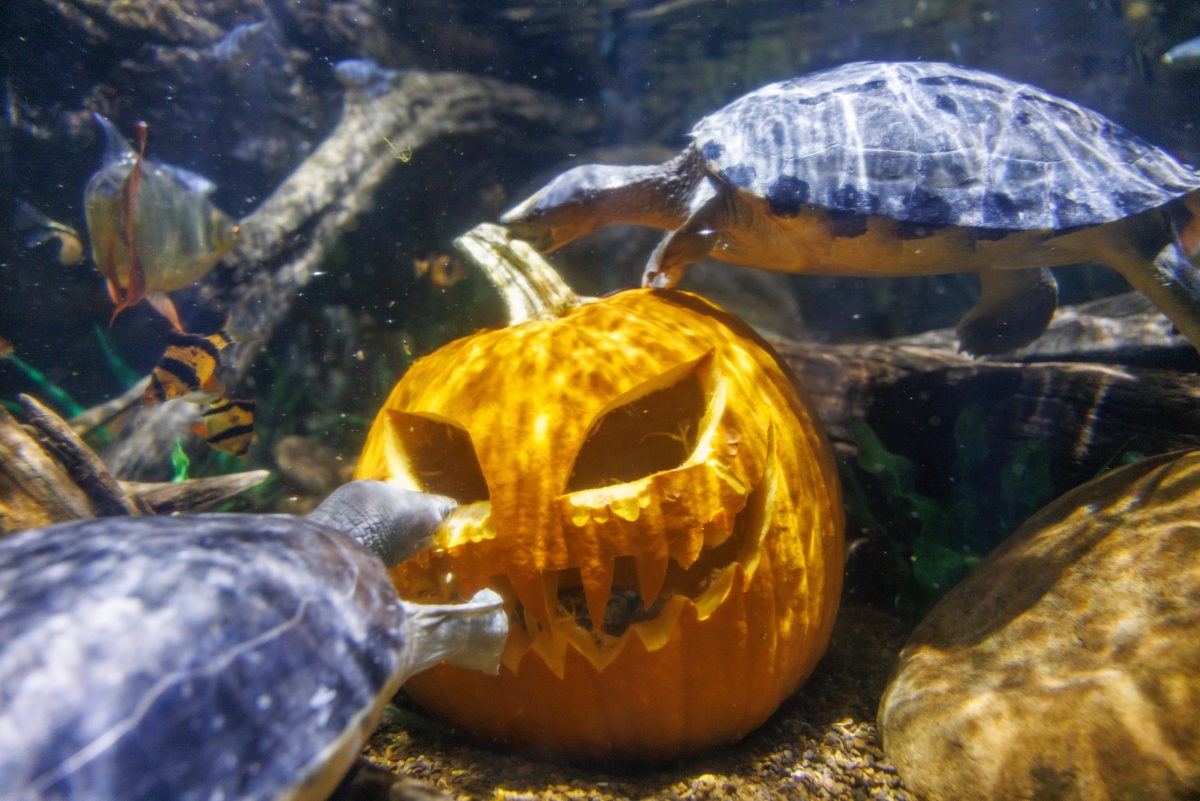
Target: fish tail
point(163, 305)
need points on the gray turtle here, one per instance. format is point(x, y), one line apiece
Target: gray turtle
point(911, 168)
point(221, 656)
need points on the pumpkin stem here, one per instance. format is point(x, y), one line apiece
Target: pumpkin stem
point(531, 288)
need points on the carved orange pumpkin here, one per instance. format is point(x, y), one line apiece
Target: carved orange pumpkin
point(659, 509)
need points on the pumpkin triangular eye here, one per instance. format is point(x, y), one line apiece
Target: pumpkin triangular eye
point(440, 456)
point(651, 428)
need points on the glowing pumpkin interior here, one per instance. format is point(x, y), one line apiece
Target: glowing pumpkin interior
point(641, 482)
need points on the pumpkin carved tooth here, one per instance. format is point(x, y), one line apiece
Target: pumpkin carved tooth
point(534, 593)
point(651, 574)
point(597, 579)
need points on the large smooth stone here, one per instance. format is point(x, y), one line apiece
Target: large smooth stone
point(1067, 665)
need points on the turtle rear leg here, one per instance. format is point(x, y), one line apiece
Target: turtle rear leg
point(1165, 273)
point(1013, 309)
point(1172, 281)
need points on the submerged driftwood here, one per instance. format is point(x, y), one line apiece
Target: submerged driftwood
point(285, 240)
point(49, 475)
point(1108, 378)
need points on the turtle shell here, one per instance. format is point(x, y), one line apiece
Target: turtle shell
point(935, 144)
point(205, 657)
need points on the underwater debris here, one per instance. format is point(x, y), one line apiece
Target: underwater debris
point(441, 270)
point(403, 154)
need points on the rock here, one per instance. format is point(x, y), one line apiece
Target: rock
point(1067, 666)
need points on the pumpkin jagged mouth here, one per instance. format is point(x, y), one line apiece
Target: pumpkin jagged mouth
point(703, 585)
point(625, 605)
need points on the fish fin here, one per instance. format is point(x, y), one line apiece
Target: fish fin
point(191, 181)
point(116, 146)
point(114, 292)
point(136, 289)
point(211, 384)
point(26, 217)
point(163, 305)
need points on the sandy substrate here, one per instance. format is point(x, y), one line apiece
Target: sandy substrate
point(822, 744)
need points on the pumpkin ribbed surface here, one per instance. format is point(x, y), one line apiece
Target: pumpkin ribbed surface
point(641, 482)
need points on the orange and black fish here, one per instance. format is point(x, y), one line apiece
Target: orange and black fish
point(227, 425)
point(188, 369)
point(443, 271)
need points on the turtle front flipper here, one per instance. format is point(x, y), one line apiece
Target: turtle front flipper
point(690, 242)
point(1013, 309)
point(469, 635)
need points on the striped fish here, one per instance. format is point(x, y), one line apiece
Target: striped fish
point(188, 369)
point(227, 425)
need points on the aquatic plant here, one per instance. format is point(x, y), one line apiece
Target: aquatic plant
point(52, 391)
point(179, 462)
point(117, 365)
point(932, 542)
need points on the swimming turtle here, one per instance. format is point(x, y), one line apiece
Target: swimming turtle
point(224, 656)
point(910, 168)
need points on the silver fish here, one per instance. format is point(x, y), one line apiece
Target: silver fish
point(178, 235)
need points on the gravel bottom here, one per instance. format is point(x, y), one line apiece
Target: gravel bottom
point(822, 744)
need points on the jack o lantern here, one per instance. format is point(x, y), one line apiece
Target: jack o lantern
point(641, 483)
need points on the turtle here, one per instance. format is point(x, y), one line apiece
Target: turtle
point(222, 656)
point(904, 168)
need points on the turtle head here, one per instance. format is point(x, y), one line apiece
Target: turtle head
point(564, 209)
point(391, 522)
point(593, 196)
